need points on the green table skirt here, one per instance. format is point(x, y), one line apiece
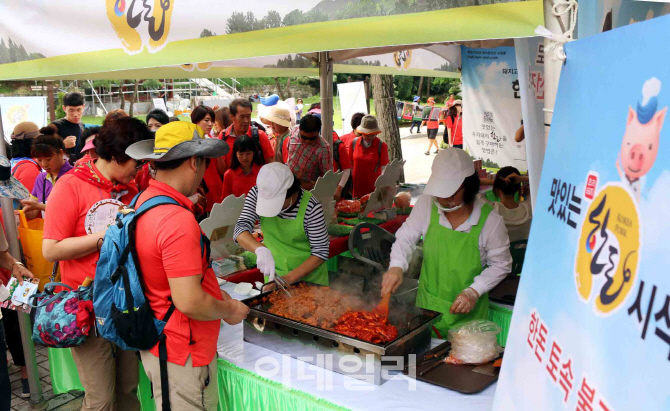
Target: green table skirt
point(239, 389)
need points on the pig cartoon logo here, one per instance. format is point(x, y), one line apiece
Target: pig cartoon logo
point(640, 141)
point(128, 18)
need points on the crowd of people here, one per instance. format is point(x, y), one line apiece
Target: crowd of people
point(220, 152)
point(69, 168)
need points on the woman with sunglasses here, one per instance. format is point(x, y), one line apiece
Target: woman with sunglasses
point(465, 250)
point(73, 235)
point(49, 152)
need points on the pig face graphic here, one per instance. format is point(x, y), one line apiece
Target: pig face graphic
point(640, 144)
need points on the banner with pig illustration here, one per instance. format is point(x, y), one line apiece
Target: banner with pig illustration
point(591, 323)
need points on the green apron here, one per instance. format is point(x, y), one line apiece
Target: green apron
point(451, 261)
point(289, 244)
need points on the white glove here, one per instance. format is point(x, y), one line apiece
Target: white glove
point(265, 262)
point(465, 301)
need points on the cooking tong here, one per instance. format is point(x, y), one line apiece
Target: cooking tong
point(283, 285)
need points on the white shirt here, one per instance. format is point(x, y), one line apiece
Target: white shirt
point(493, 241)
point(517, 220)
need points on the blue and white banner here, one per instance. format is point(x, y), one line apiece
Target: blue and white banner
point(591, 323)
point(492, 106)
point(19, 109)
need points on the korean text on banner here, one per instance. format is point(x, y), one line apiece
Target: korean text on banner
point(591, 323)
point(492, 107)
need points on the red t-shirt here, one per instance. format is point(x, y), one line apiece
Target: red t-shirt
point(456, 128)
point(363, 164)
point(284, 150)
point(347, 139)
point(345, 161)
point(168, 246)
point(238, 184)
point(26, 172)
point(266, 146)
point(143, 177)
point(214, 183)
point(68, 204)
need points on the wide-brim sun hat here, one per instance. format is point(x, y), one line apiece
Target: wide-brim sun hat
point(177, 140)
point(10, 187)
point(273, 182)
point(450, 168)
point(25, 130)
point(457, 103)
point(369, 125)
point(278, 115)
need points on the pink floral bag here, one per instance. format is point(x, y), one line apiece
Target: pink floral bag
point(63, 319)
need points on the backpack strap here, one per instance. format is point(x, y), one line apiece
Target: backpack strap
point(257, 141)
point(379, 156)
point(336, 152)
point(28, 161)
point(379, 152)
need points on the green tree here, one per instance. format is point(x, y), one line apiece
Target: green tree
point(240, 22)
point(272, 20)
point(293, 18)
point(207, 33)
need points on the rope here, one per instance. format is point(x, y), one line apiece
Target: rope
point(556, 41)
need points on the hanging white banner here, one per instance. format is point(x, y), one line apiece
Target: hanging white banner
point(352, 101)
point(492, 107)
point(530, 60)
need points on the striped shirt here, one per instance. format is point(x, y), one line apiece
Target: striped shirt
point(315, 223)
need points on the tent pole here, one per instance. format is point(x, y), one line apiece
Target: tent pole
point(552, 69)
point(50, 101)
point(36, 399)
point(326, 76)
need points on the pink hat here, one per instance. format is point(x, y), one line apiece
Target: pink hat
point(88, 146)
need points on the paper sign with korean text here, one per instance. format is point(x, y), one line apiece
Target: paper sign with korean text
point(492, 106)
point(591, 323)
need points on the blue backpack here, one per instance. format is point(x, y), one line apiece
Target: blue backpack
point(123, 314)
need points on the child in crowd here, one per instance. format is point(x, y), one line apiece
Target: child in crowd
point(246, 163)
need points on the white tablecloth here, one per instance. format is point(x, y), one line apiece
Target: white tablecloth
point(400, 393)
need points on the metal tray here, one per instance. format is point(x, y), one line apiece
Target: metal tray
point(337, 352)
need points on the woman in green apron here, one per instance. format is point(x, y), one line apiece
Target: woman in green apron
point(295, 238)
point(465, 247)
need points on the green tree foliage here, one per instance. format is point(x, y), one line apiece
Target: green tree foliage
point(60, 113)
point(207, 33)
point(293, 62)
point(361, 62)
point(272, 20)
point(404, 87)
point(152, 84)
point(489, 164)
point(11, 52)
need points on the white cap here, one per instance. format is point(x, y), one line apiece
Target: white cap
point(273, 182)
point(450, 168)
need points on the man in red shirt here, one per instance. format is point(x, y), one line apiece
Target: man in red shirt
point(309, 156)
point(240, 114)
point(177, 271)
point(433, 124)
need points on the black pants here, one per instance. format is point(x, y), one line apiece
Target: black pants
point(416, 123)
point(13, 336)
point(458, 146)
point(5, 385)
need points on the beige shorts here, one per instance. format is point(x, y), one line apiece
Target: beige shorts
point(191, 388)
